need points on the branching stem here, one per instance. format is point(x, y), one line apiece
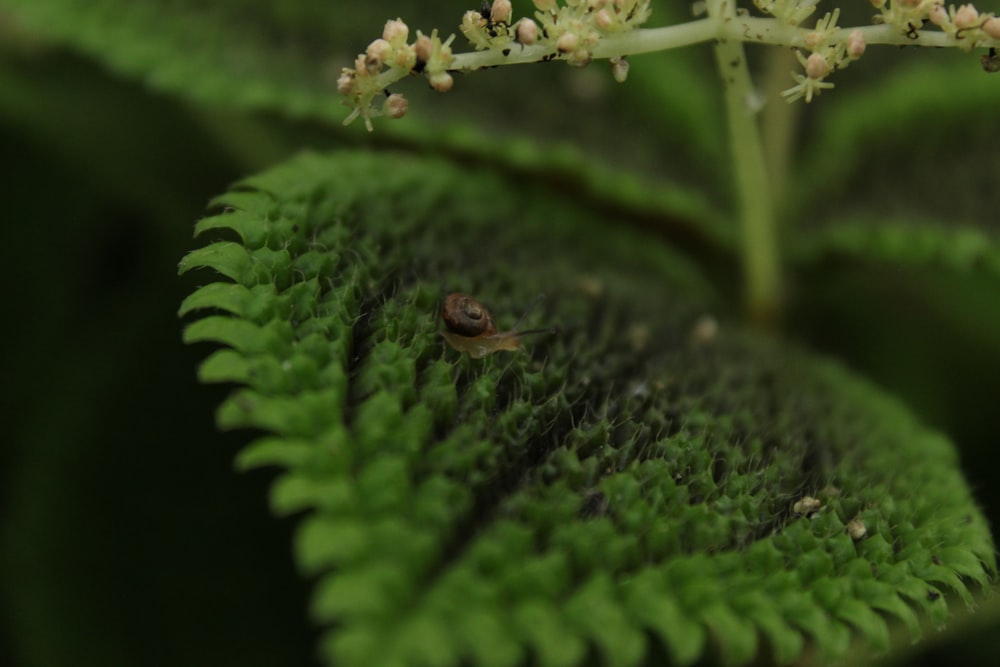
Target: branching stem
point(820, 50)
point(733, 28)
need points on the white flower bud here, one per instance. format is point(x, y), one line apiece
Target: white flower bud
point(619, 68)
point(817, 67)
point(395, 31)
point(545, 5)
point(472, 20)
point(855, 45)
point(405, 57)
point(474, 28)
point(441, 81)
point(345, 82)
point(395, 106)
point(527, 32)
point(938, 15)
point(603, 19)
point(580, 58)
point(501, 11)
point(424, 48)
point(992, 27)
point(568, 42)
point(966, 16)
point(377, 53)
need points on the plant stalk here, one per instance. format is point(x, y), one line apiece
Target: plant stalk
point(779, 120)
point(756, 206)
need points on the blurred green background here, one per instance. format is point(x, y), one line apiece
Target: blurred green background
point(126, 537)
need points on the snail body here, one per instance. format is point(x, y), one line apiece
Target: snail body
point(471, 328)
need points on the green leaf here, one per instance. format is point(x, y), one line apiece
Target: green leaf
point(274, 451)
point(230, 259)
point(654, 608)
point(902, 172)
point(240, 334)
point(909, 244)
point(892, 145)
point(612, 491)
point(224, 296)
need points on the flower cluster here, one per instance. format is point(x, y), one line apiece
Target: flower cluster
point(577, 31)
point(389, 58)
point(828, 48)
point(490, 27)
point(569, 31)
point(965, 24)
point(792, 12)
point(828, 51)
point(577, 27)
point(572, 29)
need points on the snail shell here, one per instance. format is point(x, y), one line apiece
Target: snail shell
point(471, 328)
point(465, 316)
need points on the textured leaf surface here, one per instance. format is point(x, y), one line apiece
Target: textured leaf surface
point(618, 492)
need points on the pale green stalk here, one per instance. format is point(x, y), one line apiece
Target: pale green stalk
point(756, 206)
point(779, 121)
point(731, 28)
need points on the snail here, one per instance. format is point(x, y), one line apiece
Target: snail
point(471, 327)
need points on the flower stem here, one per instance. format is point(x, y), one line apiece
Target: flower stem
point(779, 121)
point(757, 215)
point(731, 27)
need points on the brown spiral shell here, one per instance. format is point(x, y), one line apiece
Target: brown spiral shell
point(465, 316)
